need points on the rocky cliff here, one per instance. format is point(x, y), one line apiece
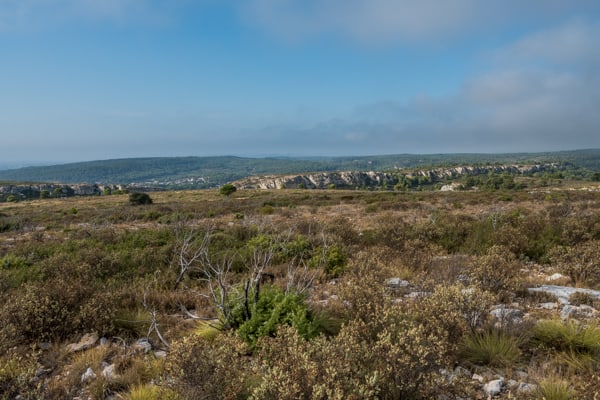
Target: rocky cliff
point(371, 179)
point(323, 180)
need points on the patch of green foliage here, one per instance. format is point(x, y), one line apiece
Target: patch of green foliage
point(274, 308)
point(138, 198)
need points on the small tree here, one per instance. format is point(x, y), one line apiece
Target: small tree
point(227, 189)
point(138, 198)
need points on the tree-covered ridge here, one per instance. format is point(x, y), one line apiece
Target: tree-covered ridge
point(206, 172)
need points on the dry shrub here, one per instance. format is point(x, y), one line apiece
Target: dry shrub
point(57, 309)
point(580, 262)
point(362, 292)
point(16, 371)
point(497, 271)
point(512, 238)
point(455, 309)
point(397, 359)
point(211, 369)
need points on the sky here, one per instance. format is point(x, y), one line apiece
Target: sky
point(100, 79)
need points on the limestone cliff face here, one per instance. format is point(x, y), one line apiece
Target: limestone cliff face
point(441, 173)
point(344, 179)
point(371, 179)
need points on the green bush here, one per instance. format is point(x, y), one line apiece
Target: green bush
point(138, 198)
point(331, 258)
point(274, 308)
point(227, 189)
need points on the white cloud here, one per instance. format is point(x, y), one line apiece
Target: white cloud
point(399, 20)
point(575, 42)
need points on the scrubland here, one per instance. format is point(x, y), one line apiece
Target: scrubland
point(298, 294)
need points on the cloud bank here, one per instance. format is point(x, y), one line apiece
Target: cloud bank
point(541, 92)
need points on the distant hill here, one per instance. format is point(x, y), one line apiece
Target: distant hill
point(207, 172)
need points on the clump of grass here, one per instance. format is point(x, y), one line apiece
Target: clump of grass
point(554, 389)
point(492, 347)
point(568, 336)
point(150, 392)
point(208, 330)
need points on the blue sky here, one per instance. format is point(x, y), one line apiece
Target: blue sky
point(100, 79)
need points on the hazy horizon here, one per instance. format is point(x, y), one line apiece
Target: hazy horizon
point(107, 79)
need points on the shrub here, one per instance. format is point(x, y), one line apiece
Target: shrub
point(331, 258)
point(203, 369)
point(227, 189)
point(272, 309)
point(266, 209)
point(455, 309)
point(497, 271)
point(490, 347)
point(580, 262)
point(16, 372)
point(138, 198)
point(393, 360)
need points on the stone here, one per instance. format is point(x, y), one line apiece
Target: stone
point(142, 345)
point(582, 311)
point(45, 345)
point(87, 341)
point(511, 383)
point(109, 372)
point(104, 341)
point(526, 388)
point(160, 354)
point(396, 283)
point(548, 306)
point(505, 314)
point(477, 377)
point(493, 388)
point(555, 277)
point(41, 372)
point(564, 292)
point(522, 375)
point(416, 295)
point(88, 375)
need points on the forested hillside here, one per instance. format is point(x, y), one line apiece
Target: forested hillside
point(206, 172)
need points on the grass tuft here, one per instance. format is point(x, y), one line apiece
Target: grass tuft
point(493, 348)
point(150, 392)
point(554, 389)
point(569, 336)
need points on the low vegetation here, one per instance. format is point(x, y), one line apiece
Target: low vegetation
point(298, 294)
